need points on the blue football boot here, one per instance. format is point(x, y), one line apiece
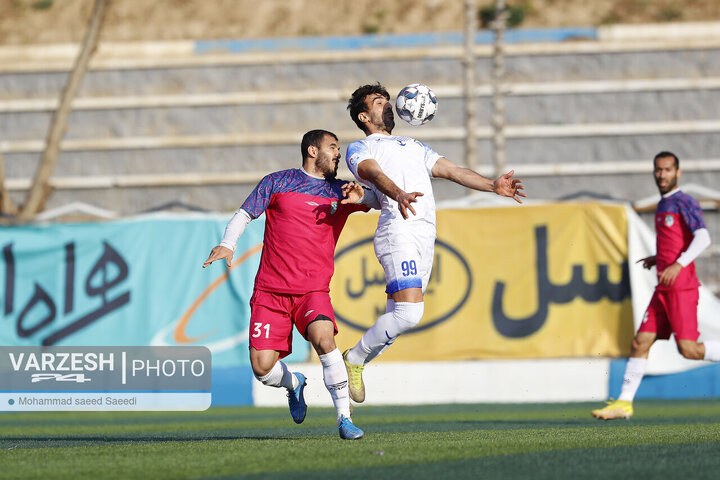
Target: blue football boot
point(296, 399)
point(348, 431)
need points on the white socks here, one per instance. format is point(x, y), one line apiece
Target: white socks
point(634, 372)
point(280, 376)
point(712, 350)
point(636, 367)
point(386, 329)
point(334, 374)
point(336, 381)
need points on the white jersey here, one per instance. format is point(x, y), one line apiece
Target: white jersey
point(408, 163)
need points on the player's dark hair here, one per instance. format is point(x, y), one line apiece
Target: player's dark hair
point(314, 138)
point(357, 105)
point(665, 154)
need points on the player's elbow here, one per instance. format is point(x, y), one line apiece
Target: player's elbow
point(453, 173)
point(458, 175)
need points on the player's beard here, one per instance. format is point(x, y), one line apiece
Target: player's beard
point(670, 184)
point(329, 167)
point(388, 120)
point(330, 176)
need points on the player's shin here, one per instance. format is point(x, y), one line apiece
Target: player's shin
point(336, 381)
point(634, 372)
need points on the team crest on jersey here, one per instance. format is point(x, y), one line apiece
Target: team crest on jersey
point(333, 207)
point(669, 220)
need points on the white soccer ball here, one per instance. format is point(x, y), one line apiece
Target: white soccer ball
point(416, 104)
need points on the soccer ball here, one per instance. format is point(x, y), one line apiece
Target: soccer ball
point(416, 104)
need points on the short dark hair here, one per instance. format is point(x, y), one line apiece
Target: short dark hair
point(357, 105)
point(666, 154)
point(314, 138)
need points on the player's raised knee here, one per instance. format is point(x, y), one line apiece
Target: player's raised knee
point(641, 344)
point(323, 345)
point(691, 350)
point(408, 315)
point(261, 365)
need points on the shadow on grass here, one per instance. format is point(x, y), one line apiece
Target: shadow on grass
point(58, 441)
point(645, 462)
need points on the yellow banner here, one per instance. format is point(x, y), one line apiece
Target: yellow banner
point(510, 282)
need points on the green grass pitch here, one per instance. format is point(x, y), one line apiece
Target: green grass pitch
point(665, 439)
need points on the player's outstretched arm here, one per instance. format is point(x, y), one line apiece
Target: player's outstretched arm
point(233, 230)
point(370, 170)
point(504, 185)
point(218, 253)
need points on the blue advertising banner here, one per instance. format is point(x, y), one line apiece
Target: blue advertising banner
point(131, 282)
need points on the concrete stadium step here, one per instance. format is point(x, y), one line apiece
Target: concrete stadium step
point(227, 197)
point(568, 140)
point(580, 108)
point(548, 156)
point(228, 77)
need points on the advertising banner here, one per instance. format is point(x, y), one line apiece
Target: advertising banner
point(134, 282)
point(515, 282)
point(509, 282)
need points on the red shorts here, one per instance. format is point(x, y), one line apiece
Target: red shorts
point(272, 316)
point(672, 311)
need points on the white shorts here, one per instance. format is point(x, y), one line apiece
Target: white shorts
point(406, 252)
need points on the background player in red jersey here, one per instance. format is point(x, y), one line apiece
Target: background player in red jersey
point(305, 210)
point(681, 237)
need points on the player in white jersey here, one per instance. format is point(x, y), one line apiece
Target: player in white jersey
point(404, 244)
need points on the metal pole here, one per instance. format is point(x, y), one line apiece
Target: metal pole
point(498, 73)
point(469, 84)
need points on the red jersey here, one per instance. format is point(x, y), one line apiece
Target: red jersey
point(678, 215)
point(304, 218)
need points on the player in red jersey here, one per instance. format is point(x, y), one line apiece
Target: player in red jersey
point(305, 212)
point(681, 237)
